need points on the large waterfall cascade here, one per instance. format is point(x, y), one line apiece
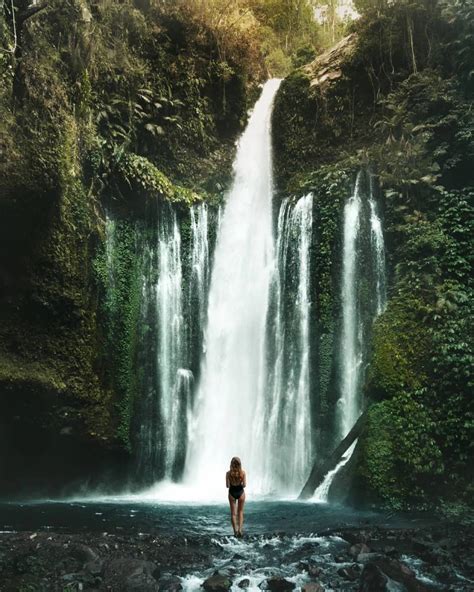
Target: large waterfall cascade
point(228, 418)
point(226, 330)
point(360, 212)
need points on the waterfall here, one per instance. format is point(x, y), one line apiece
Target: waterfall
point(348, 404)
point(287, 417)
point(198, 285)
point(378, 250)
point(170, 347)
point(172, 307)
point(232, 373)
point(354, 333)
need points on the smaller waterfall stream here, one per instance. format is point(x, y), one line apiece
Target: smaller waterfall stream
point(287, 417)
point(170, 347)
point(348, 404)
point(354, 332)
point(199, 283)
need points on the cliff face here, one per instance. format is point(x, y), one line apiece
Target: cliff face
point(394, 101)
point(99, 104)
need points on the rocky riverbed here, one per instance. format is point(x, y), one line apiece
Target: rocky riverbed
point(365, 560)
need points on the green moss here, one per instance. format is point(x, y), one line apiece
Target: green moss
point(401, 346)
point(399, 455)
point(117, 267)
point(137, 170)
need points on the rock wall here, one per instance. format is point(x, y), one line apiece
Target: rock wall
point(400, 109)
point(100, 103)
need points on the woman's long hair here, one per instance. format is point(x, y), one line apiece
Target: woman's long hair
point(235, 474)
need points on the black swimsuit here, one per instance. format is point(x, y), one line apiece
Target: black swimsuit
point(236, 491)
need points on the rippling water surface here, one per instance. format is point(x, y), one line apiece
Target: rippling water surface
point(168, 518)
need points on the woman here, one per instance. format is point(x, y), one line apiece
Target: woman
point(235, 481)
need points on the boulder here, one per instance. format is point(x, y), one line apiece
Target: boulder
point(94, 568)
point(314, 570)
point(217, 583)
point(245, 583)
point(82, 553)
point(142, 579)
point(358, 548)
point(170, 584)
point(131, 575)
point(400, 572)
point(312, 587)
point(372, 579)
point(348, 573)
point(278, 584)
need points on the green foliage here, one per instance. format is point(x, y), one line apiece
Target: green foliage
point(400, 455)
point(400, 343)
point(117, 267)
point(400, 101)
point(138, 171)
point(423, 354)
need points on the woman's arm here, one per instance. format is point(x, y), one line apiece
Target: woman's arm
point(227, 479)
point(244, 480)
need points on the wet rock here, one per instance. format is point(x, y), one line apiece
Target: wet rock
point(358, 548)
point(277, 584)
point(94, 568)
point(71, 577)
point(217, 583)
point(400, 572)
point(366, 557)
point(245, 583)
point(314, 570)
point(340, 559)
point(131, 575)
point(142, 578)
point(312, 587)
point(170, 584)
point(430, 552)
point(372, 579)
point(348, 573)
point(390, 551)
point(82, 553)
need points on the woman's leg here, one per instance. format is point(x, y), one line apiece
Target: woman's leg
point(241, 502)
point(233, 513)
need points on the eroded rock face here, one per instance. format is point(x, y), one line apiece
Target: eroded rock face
point(327, 67)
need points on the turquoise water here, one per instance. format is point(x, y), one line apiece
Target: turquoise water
point(262, 517)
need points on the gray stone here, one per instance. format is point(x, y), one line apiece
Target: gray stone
point(170, 584)
point(312, 587)
point(278, 584)
point(348, 573)
point(359, 548)
point(314, 570)
point(217, 583)
point(372, 579)
point(82, 553)
point(94, 567)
